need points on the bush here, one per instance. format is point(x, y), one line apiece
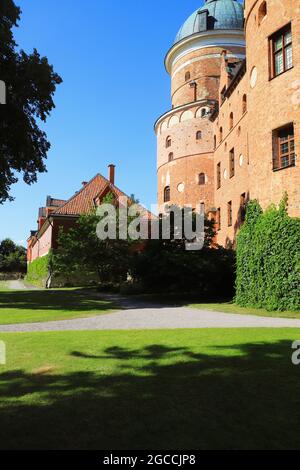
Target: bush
point(268, 259)
point(166, 267)
point(38, 271)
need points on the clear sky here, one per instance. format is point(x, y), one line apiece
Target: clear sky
point(110, 55)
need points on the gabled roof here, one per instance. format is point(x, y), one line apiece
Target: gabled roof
point(85, 200)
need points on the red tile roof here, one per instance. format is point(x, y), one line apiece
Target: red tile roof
point(83, 201)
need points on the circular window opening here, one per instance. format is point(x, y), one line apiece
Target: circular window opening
point(180, 187)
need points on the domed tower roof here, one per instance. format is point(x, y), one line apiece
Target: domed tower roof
point(214, 14)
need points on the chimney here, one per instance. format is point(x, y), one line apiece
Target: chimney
point(111, 173)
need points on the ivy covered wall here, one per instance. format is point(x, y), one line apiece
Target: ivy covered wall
point(268, 259)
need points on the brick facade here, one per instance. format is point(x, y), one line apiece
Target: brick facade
point(246, 108)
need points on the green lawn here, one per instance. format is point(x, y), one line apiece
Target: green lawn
point(3, 286)
point(179, 389)
point(230, 307)
point(45, 305)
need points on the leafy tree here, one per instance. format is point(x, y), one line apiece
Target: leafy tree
point(12, 257)
point(81, 249)
point(31, 83)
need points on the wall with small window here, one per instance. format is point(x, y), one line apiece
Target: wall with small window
point(231, 160)
point(262, 12)
point(273, 52)
point(184, 133)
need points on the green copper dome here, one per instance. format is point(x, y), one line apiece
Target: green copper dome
point(214, 14)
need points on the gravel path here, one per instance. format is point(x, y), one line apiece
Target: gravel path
point(141, 315)
point(19, 285)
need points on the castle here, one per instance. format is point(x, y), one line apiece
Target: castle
point(233, 131)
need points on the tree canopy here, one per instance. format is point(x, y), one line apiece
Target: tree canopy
point(30, 85)
point(12, 257)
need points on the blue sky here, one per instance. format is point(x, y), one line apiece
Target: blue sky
point(110, 56)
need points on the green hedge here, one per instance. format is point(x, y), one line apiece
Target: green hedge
point(38, 271)
point(268, 259)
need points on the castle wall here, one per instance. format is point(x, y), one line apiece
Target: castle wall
point(232, 187)
point(259, 104)
point(180, 164)
point(204, 68)
point(273, 103)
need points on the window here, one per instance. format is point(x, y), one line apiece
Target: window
point(202, 179)
point(243, 207)
point(281, 51)
point(202, 208)
point(244, 105)
point(167, 195)
point(203, 112)
point(219, 219)
point(231, 163)
point(262, 12)
point(215, 141)
point(221, 134)
point(229, 213)
point(171, 156)
point(218, 175)
point(284, 147)
point(168, 142)
point(231, 121)
point(198, 135)
point(187, 76)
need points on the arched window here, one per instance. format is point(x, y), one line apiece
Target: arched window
point(171, 156)
point(168, 142)
point(202, 179)
point(221, 134)
point(244, 106)
point(231, 121)
point(262, 12)
point(187, 76)
point(215, 141)
point(167, 194)
point(198, 135)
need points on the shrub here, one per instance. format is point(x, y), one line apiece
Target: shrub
point(268, 259)
point(38, 271)
point(166, 267)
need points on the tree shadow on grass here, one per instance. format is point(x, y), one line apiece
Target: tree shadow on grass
point(157, 398)
point(57, 299)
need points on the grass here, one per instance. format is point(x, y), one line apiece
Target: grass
point(179, 389)
point(3, 286)
point(230, 307)
point(46, 305)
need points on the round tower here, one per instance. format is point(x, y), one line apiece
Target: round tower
point(185, 140)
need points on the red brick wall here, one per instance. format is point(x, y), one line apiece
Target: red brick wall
point(190, 156)
point(48, 239)
point(272, 103)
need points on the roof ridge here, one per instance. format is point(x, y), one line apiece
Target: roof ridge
point(79, 192)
